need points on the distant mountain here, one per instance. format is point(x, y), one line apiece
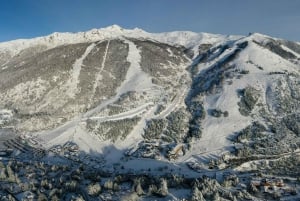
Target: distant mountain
point(179, 96)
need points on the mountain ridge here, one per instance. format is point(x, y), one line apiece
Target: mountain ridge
point(114, 31)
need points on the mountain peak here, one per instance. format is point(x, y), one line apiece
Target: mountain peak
point(113, 27)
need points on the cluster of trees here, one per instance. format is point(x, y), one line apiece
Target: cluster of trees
point(218, 113)
point(292, 122)
point(284, 166)
point(249, 97)
point(196, 109)
point(206, 188)
point(251, 132)
point(155, 57)
point(275, 47)
point(171, 129)
point(159, 109)
point(54, 182)
point(115, 109)
point(112, 130)
point(177, 126)
point(258, 66)
point(154, 128)
point(7, 173)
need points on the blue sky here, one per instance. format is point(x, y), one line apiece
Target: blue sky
point(31, 18)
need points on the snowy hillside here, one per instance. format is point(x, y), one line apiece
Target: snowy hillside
point(194, 102)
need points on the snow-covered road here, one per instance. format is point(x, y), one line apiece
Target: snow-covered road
point(124, 115)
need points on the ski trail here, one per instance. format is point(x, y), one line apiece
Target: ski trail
point(136, 79)
point(71, 85)
point(99, 75)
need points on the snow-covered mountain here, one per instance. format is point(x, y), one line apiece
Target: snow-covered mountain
point(211, 101)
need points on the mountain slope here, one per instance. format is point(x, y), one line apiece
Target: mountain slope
point(207, 116)
point(210, 101)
